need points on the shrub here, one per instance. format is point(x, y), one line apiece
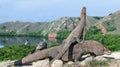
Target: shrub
point(14, 52)
point(95, 63)
point(109, 25)
point(98, 18)
point(17, 52)
point(63, 34)
point(53, 45)
point(112, 41)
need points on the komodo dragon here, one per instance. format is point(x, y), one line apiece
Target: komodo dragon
point(90, 46)
point(40, 46)
point(75, 35)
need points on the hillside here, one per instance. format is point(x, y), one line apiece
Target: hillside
point(108, 24)
point(61, 24)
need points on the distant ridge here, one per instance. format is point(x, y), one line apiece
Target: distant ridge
point(111, 24)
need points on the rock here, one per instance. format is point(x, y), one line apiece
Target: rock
point(57, 63)
point(70, 63)
point(115, 55)
point(6, 64)
point(42, 63)
point(71, 26)
point(100, 58)
point(52, 35)
point(75, 66)
point(26, 66)
point(84, 62)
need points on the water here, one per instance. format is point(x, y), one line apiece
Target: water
point(1, 46)
point(31, 40)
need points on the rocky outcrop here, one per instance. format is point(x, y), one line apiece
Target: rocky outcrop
point(101, 27)
point(71, 26)
point(52, 35)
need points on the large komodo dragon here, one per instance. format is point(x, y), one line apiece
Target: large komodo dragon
point(90, 46)
point(75, 35)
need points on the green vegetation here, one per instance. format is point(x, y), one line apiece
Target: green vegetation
point(98, 18)
point(31, 34)
point(110, 14)
point(17, 52)
point(63, 34)
point(3, 27)
point(112, 41)
point(14, 52)
point(13, 33)
point(53, 45)
point(96, 63)
point(109, 25)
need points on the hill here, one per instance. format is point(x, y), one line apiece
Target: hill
point(61, 24)
point(108, 24)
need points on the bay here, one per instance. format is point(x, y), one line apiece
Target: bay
point(9, 40)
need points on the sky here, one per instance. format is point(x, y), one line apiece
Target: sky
point(49, 10)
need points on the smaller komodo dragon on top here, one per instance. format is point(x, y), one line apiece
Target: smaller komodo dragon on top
point(75, 35)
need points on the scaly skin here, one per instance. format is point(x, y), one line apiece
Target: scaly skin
point(74, 36)
point(77, 50)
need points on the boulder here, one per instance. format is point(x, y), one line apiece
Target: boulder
point(70, 63)
point(42, 63)
point(100, 58)
point(84, 62)
point(57, 63)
